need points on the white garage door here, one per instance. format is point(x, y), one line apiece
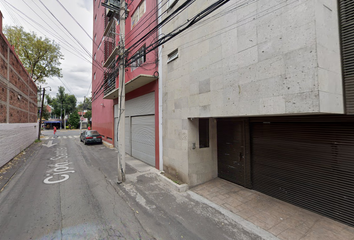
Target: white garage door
point(128, 147)
point(143, 138)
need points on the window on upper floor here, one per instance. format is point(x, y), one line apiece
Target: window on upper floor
point(172, 56)
point(138, 58)
point(95, 37)
point(94, 58)
point(94, 76)
point(139, 12)
point(95, 17)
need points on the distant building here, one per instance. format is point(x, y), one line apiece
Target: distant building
point(18, 103)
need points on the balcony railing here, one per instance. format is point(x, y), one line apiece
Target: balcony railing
point(110, 45)
point(110, 80)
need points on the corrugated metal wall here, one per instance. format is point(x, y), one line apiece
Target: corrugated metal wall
point(309, 164)
point(346, 19)
point(140, 128)
point(128, 137)
point(143, 138)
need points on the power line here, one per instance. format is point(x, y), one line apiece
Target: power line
point(178, 30)
point(68, 31)
point(183, 27)
point(47, 31)
point(176, 12)
point(54, 24)
point(77, 22)
point(145, 19)
point(59, 38)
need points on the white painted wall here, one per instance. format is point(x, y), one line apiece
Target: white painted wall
point(15, 137)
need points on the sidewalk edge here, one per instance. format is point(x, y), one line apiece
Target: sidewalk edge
point(177, 187)
point(250, 227)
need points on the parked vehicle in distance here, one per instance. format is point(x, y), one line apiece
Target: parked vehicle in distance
point(90, 136)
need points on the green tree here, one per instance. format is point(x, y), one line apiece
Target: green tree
point(62, 103)
point(74, 119)
point(45, 114)
point(86, 105)
point(40, 56)
point(88, 114)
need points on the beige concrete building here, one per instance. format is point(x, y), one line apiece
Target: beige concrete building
point(253, 93)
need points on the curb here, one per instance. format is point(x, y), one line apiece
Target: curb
point(177, 187)
point(107, 144)
point(243, 223)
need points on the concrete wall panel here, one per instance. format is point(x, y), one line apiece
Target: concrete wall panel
point(14, 138)
point(273, 57)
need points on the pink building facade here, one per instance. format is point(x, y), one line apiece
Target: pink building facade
point(141, 78)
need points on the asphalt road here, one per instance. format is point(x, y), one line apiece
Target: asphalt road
point(57, 194)
point(67, 190)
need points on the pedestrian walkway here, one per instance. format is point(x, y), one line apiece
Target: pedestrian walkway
point(59, 137)
point(282, 219)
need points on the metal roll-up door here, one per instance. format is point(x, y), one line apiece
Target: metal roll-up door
point(307, 164)
point(346, 22)
point(143, 138)
point(128, 148)
point(140, 128)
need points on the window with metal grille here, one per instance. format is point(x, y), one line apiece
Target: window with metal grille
point(203, 133)
point(138, 13)
point(139, 58)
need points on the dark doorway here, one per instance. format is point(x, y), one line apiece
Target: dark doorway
point(233, 153)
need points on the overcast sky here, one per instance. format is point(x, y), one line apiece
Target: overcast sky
point(76, 70)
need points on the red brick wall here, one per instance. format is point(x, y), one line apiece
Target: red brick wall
point(3, 47)
point(22, 89)
point(32, 108)
point(3, 113)
point(3, 92)
point(32, 117)
point(19, 102)
point(18, 116)
point(3, 68)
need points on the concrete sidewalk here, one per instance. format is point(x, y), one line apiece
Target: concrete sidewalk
point(188, 213)
point(254, 210)
point(282, 219)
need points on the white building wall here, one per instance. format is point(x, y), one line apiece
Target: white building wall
point(14, 138)
point(267, 57)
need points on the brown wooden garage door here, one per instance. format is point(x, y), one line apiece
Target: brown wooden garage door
point(308, 164)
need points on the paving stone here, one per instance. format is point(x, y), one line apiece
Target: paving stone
point(282, 219)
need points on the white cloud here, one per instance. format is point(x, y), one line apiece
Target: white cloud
point(76, 71)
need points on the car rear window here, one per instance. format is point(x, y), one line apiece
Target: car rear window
point(93, 133)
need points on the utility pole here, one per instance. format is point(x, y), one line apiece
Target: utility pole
point(83, 107)
point(121, 97)
point(40, 118)
point(61, 116)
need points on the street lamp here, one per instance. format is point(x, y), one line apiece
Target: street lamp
point(40, 118)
